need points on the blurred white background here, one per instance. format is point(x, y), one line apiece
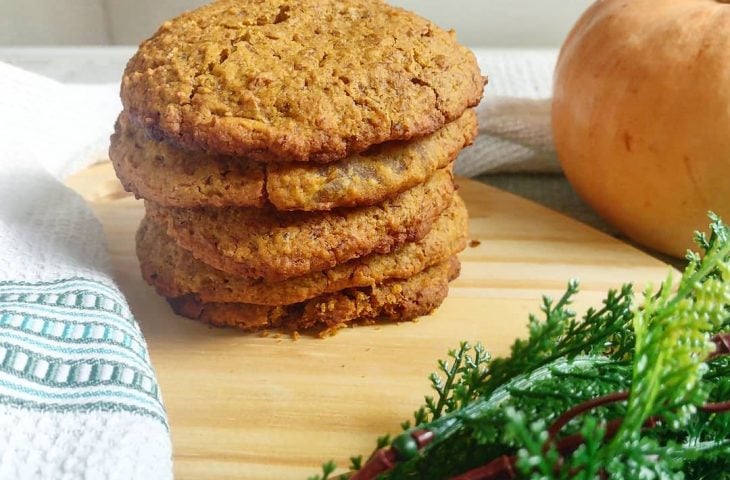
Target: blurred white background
point(499, 23)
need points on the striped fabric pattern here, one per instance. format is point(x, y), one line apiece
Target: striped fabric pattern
point(73, 345)
point(78, 395)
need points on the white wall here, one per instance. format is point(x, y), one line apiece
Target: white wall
point(503, 22)
point(98, 22)
point(48, 22)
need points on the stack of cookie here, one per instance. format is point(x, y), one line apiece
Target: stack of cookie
point(295, 158)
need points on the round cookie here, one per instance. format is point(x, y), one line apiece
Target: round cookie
point(176, 273)
point(298, 80)
point(264, 243)
point(394, 300)
point(174, 178)
point(165, 175)
point(370, 177)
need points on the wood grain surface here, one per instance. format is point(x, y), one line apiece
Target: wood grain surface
point(246, 406)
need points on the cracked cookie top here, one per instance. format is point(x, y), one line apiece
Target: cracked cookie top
point(298, 80)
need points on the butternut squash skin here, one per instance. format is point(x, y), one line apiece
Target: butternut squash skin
point(641, 116)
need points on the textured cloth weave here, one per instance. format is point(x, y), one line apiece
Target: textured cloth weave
point(514, 117)
point(78, 395)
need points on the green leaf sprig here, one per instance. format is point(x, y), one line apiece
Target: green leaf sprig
point(497, 413)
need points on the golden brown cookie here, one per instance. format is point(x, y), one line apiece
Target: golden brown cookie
point(394, 300)
point(175, 178)
point(165, 175)
point(298, 80)
point(370, 177)
point(264, 243)
point(176, 273)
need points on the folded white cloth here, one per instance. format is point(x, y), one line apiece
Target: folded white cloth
point(514, 117)
point(78, 395)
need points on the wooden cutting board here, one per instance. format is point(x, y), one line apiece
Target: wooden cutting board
point(246, 406)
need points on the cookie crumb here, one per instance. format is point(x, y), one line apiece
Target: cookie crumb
point(295, 335)
point(474, 243)
point(331, 331)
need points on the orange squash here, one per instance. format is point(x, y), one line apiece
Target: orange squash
point(641, 116)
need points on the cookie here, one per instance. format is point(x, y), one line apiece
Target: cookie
point(273, 245)
point(371, 177)
point(155, 171)
point(298, 80)
point(174, 178)
point(176, 273)
point(394, 300)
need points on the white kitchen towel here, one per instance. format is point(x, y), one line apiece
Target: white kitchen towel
point(514, 117)
point(78, 395)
